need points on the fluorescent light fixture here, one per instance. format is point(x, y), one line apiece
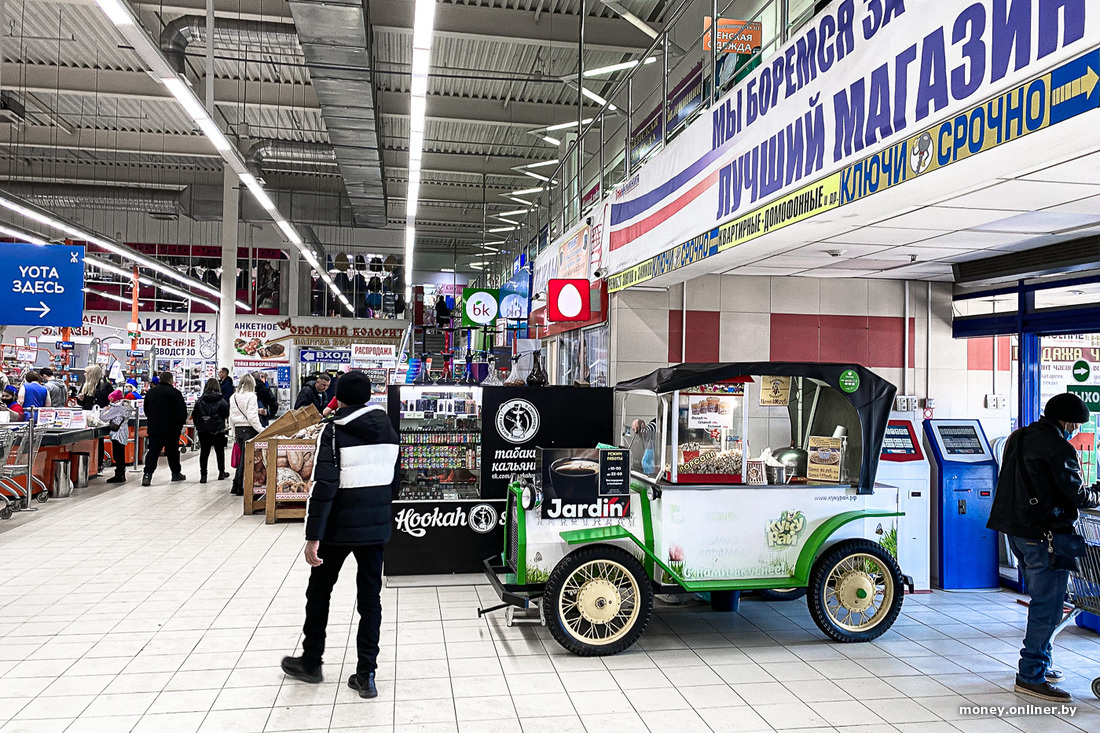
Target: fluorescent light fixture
point(21, 235)
point(597, 99)
point(116, 11)
point(220, 142)
point(188, 296)
point(617, 67)
point(542, 163)
point(186, 98)
point(109, 296)
point(423, 24)
point(566, 125)
point(502, 229)
point(106, 266)
point(290, 232)
point(517, 212)
point(521, 201)
point(524, 192)
point(536, 176)
point(446, 269)
point(551, 140)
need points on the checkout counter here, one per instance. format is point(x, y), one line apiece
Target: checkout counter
point(903, 464)
point(964, 479)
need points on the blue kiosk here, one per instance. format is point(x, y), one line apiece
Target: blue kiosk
point(964, 477)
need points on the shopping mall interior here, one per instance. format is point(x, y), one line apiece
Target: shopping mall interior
point(656, 378)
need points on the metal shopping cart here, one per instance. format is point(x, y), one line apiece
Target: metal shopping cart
point(1084, 583)
point(19, 444)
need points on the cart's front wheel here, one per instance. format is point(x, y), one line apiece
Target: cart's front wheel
point(5, 511)
point(598, 601)
point(1096, 687)
point(42, 497)
point(855, 591)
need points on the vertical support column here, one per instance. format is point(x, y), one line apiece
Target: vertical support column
point(208, 82)
point(664, 92)
point(629, 123)
point(580, 109)
point(228, 310)
point(294, 276)
point(713, 51)
point(1028, 378)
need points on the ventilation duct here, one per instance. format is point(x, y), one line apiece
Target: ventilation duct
point(335, 38)
point(1072, 256)
point(182, 32)
point(289, 156)
point(154, 201)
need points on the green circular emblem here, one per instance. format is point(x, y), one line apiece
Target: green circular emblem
point(849, 380)
point(1082, 370)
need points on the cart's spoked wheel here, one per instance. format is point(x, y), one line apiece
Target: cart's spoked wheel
point(855, 591)
point(601, 600)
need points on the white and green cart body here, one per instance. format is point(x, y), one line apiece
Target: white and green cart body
point(594, 578)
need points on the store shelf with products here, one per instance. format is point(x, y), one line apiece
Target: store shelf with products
point(440, 430)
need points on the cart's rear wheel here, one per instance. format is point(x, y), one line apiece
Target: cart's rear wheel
point(598, 601)
point(1096, 687)
point(782, 594)
point(5, 511)
point(855, 591)
point(42, 497)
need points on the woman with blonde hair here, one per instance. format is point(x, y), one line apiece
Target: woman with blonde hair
point(244, 421)
point(96, 389)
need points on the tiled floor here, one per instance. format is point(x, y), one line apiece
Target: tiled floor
point(163, 609)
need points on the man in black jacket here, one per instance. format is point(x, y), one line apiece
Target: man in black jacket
point(356, 478)
point(268, 403)
point(165, 414)
point(1038, 494)
point(313, 393)
point(226, 383)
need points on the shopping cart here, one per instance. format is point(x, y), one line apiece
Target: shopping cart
point(1084, 583)
point(19, 445)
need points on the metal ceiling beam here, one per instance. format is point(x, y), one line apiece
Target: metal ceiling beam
point(512, 26)
point(115, 141)
point(244, 9)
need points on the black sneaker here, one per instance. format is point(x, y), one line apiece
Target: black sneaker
point(178, 477)
point(116, 479)
point(223, 475)
point(1042, 690)
point(299, 669)
point(146, 480)
point(202, 478)
point(364, 686)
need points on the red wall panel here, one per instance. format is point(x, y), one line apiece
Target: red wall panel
point(794, 337)
point(873, 341)
point(704, 329)
point(979, 353)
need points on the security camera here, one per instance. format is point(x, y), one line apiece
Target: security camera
point(600, 273)
point(588, 221)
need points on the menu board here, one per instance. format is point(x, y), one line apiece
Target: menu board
point(710, 412)
point(775, 391)
point(898, 442)
point(960, 440)
point(824, 458)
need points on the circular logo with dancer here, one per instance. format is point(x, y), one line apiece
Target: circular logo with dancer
point(483, 518)
point(517, 421)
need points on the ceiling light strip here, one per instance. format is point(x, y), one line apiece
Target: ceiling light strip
point(423, 24)
point(123, 17)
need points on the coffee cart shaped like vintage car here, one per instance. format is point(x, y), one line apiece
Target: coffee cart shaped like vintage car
point(698, 516)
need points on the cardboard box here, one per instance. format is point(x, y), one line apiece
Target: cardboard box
point(255, 454)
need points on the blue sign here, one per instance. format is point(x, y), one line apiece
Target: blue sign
point(282, 376)
point(65, 345)
point(324, 356)
point(138, 353)
point(46, 285)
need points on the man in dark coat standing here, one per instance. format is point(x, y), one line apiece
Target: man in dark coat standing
point(1038, 494)
point(265, 398)
point(356, 478)
point(313, 393)
point(226, 382)
point(165, 414)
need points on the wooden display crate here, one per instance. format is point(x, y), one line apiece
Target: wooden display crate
point(289, 477)
point(255, 482)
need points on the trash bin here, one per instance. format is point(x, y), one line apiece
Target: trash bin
point(80, 464)
point(61, 484)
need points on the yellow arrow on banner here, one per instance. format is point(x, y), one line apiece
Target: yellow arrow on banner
point(1085, 84)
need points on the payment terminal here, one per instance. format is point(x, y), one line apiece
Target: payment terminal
point(964, 477)
point(902, 463)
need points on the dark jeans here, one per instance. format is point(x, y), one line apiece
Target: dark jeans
point(171, 446)
point(118, 454)
point(208, 442)
point(1048, 592)
point(368, 580)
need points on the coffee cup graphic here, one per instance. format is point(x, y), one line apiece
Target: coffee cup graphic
point(575, 477)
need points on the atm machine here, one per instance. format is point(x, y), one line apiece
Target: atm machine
point(964, 477)
point(902, 464)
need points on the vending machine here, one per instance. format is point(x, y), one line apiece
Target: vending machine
point(963, 479)
point(902, 464)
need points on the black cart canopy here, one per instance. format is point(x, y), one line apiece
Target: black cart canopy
point(870, 395)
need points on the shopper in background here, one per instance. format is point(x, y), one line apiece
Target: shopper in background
point(312, 393)
point(244, 421)
point(7, 401)
point(95, 390)
point(59, 396)
point(226, 383)
point(355, 481)
point(265, 398)
point(117, 417)
point(1038, 494)
point(32, 393)
point(211, 419)
point(165, 414)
